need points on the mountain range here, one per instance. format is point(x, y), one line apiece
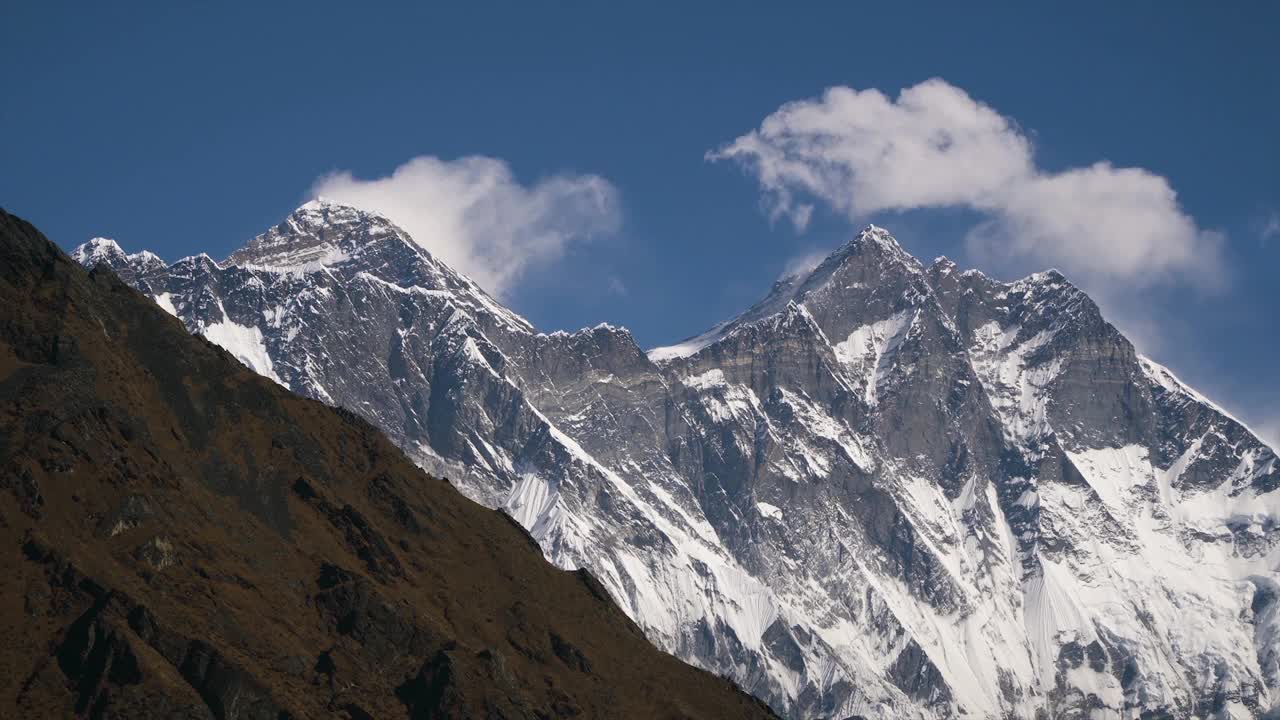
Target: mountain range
point(184, 538)
point(888, 489)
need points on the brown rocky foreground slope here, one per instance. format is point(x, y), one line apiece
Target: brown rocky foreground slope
point(180, 537)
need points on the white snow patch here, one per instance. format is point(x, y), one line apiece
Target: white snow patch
point(706, 380)
point(535, 504)
point(820, 424)
point(245, 343)
point(165, 301)
point(1019, 392)
point(1114, 472)
point(869, 350)
point(771, 512)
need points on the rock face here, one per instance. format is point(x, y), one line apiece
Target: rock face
point(885, 490)
point(185, 539)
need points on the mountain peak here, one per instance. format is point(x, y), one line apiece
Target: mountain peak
point(873, 240)
point(319, 232)
point(327, 211)
point(1049, 282)
point(96, 250)
point(880, 236)
point(872, 252)
point(101, 250)
point(324, 211)
point(1051, 276)
point(877, 233)
point(322, 235)
point(317, 203)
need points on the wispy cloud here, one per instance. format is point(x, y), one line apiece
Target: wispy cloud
point(616, 286)
point(802, 264)
point(934, 146)
point(1270, 228)
point(478, 217)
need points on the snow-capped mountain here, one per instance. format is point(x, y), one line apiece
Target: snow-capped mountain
point(885, 490)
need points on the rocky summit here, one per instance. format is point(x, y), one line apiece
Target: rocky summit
point(183, 538)
point(887, 490)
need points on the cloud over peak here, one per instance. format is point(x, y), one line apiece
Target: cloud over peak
point(934, 146)
point(474, 214)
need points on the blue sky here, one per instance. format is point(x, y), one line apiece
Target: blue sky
point(192, 129)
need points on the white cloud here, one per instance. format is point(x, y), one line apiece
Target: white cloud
point(476, 216)
point(860, 152)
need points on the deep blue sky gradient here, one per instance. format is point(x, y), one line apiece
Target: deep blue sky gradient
point(193, 128)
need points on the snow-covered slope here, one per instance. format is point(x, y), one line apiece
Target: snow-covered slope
point(885, 490)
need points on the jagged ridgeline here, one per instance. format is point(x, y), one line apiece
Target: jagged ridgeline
point(183, 538)
point(888, 489)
